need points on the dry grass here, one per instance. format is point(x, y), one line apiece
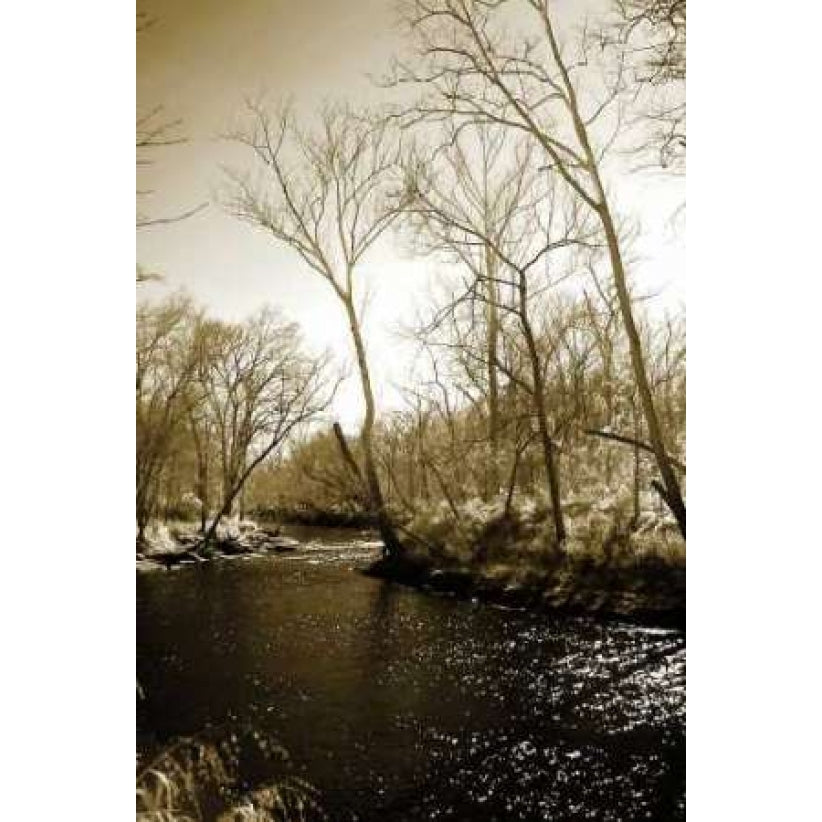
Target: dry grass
point(524, 538)
point(198, 779)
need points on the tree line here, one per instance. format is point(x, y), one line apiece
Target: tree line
point(214, 400)
point(537, 363)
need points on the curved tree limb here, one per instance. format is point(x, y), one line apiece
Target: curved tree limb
point(607, 435)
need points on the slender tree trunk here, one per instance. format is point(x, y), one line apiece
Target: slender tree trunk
point(548, 449)
point(411, 470)
point(237, 487)
point(141, 531)
point(538, 399)
point(609, 411)
point(492, 341)
point(512, 480)
point(551, 467)
point(202, 472)
point(425, 491)
point(203, 493)
point(673, 494)
point(361, 491)
point(392, 545)
point(670, 485)
point(637, 466)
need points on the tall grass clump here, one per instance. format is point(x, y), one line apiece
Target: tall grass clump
point(200, 779)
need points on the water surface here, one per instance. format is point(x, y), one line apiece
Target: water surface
point(401, 705)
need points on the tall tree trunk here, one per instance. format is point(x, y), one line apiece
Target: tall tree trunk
point(141, 531)
point(202, 471)
point(637, 465)
point(492, 342)
point(391, 542)
point(203, 494)
point(548, 449)
point(673, 493)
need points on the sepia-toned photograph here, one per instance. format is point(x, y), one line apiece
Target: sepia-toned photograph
point(410, 410)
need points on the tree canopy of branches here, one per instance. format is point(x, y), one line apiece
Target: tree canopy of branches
point(469, 69)
point(225, 393)
point(433, 453)
point(652, 35)
point(259, 386)
point(168, 338)
point(507, 222)
point(155, 131)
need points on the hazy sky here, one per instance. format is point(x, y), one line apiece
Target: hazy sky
point(198, 60)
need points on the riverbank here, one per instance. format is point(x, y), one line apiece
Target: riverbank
point(608, 566)
point(168, 545)
point(636, 577)
point(647, 592)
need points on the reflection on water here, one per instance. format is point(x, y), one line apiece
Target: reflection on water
point(399, 705)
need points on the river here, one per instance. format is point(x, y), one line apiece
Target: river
point(401, 705)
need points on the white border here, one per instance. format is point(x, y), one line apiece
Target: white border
point(67, 342)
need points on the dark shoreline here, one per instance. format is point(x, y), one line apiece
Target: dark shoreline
point(318, 519)
point(649, 593)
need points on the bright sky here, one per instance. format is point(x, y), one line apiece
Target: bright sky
point(199, 60)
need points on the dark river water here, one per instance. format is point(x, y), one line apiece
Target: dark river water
point(401, 705)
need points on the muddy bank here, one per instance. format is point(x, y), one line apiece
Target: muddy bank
point(647, 592)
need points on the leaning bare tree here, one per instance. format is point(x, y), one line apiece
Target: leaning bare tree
point(469, 69)
point(327, 194)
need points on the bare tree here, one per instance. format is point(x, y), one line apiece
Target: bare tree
point(327, 194)
point(518, 218)
point(468, 71)
point(167, 357)
point(651, 35)
point(260, 387)
point(473, 164)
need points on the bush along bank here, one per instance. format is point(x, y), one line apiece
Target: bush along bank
point(609, 566)
point(324, 518)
